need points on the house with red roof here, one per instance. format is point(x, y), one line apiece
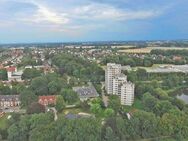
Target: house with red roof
point(13, 74)
point(47, 100)
point(11, 69)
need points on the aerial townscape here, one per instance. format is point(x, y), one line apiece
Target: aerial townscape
point(93, 70)
point(48, 91)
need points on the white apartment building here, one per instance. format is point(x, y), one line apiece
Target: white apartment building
point(116, 84)
point(127, 93)
point(111, 71)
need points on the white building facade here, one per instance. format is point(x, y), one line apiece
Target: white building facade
point(111, 71)
point(117, 81)
point(127, 93)
point(117, 84)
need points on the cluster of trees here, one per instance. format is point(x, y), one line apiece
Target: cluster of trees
point(29, 60)
point(170, 52)
point(127, 60)
point(49, 84)
point(142, 125)
point(3, 75)
point(97, 107)
point(31, 73)
point(160, 103)
point(155, 57)
point(6, 90)
point(78, 67)
point(164, 80)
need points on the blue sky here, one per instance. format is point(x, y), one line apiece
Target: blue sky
point(92, 20)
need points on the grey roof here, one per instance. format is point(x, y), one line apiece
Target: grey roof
point(86, 92)
point(9, 97)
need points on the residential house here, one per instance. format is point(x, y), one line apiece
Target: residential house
point(9, 101)
point(47, 100)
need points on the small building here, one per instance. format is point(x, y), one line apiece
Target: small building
point(13, 74)
point(47, 100)
point(85, 93)
point(177, 58)
point(9, 101)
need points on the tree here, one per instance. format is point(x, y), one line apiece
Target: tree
point(40, 86)
point(27, 97)
point(13, 133)
point(114, 103)
point(161, 94)
point(142, 74)
point(149, 102)
point(43, 133)
point(69, 96)
point(109, 112)
point(83, 129)
point(163, 107)
point(60, 104)
point(35, 107)
point(110, 136)
point(3, 75)
point(155, 84)
point(144, 124)
point(174, 124)
point(96, 109)
point(179, 103)
point(147, 63)
point(54, 87)
point(31, 73)
point(4, 90)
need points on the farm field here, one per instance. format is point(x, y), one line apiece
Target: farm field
point(149, 49)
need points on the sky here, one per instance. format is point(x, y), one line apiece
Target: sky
point(23, 21)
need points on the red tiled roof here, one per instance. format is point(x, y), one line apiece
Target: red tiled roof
point(45, 100)
point(11, 69)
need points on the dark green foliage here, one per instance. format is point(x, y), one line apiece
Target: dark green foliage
point(60, 103)
point(31, 73)
point(78, 67)
point(40, 86)
point(69, 96)
point(35, 107)
point(3, 75)
point(27, 97)
point(114, 103)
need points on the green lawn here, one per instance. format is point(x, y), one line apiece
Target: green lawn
point(73, 110)
point(4, 122)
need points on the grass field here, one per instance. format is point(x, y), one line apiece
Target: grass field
point(149, 49)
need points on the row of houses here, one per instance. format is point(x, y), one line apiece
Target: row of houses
point(14, 75)
point(84, 93)
point(8, 101)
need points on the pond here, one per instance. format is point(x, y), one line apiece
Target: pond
point(183, 97)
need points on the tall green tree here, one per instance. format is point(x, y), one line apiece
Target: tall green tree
point(27, 97)
point(60, 103)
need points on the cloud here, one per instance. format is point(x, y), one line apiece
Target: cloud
point(98, 11)
point(44, 14)
point(75, 18)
